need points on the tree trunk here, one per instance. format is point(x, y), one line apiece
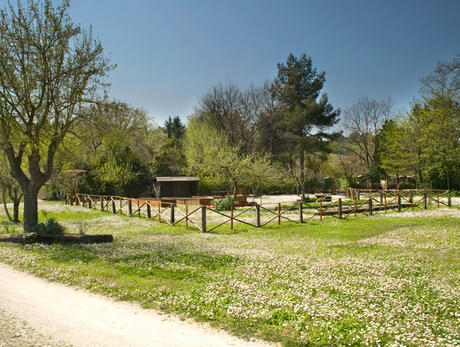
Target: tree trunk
point(302, 175)
point(6, 207)
point(30, 209)
point(16, 210)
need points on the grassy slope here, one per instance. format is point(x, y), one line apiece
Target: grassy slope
point(367, 280)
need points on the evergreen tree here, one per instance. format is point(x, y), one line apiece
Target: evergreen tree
point(306, 115)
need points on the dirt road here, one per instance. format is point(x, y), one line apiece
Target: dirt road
point(84, 319)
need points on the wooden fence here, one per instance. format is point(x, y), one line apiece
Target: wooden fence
point(205, 218)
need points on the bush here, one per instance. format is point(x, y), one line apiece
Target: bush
point(224, 204)
point(407, 185)
point(51, 226)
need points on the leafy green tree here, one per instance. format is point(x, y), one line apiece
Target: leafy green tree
point(49, 69)
point(171, 159)
point(439, 122)
point(209, 155)
point(306, 114)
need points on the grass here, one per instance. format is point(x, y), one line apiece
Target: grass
point(374, 281)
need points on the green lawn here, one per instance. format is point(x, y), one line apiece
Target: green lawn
point(376, 280)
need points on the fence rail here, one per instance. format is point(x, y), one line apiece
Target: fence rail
point(206, 219)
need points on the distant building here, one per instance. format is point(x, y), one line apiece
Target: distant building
point(179, 186)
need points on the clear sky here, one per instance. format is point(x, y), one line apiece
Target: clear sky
point(171, 52)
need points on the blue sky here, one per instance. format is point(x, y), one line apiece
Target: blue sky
point(169, 53)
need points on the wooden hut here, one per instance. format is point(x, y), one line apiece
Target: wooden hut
point(179, 186)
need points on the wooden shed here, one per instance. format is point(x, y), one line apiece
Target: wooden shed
point(178, 186)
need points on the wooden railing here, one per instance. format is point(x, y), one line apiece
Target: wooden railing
point(206, 218)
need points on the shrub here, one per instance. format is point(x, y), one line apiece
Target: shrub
point(224, 204)
point(51, 226)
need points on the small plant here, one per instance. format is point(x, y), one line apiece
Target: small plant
point(51, 226)
point(224, 204)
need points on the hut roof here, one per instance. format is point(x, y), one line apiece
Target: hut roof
point(177, 179)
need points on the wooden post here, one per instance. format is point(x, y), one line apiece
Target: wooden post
point(203, 218)
point(149, 211)
point(385, 203)
point(449, 199)
point(300, 212)
point(340, 209)
point(411, 200)
point(370, 206)
point(381, 197)
point(71, 199)
point(399, 203)
point(159, 211)
point(77, 200)
point(231, 216)
point(114, 208)
point(354, 208)
point(279, 213)
point(258, 215)
point(171, 220)
point(102, 203)
point(89, 203)
point(438, 200)
point(84, 201)
point(130, 207)
point(424, 201)
point(320, 209)
point(186, 216)
point(138, 208)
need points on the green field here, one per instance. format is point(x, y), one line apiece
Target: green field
point(379, 280)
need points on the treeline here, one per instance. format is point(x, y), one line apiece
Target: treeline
point(273, 137)
point(282, 136)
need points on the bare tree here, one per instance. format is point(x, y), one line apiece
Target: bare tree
point(362, 121)
point(444, 81)
point(48, 69)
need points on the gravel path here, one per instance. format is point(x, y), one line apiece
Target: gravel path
point(36, 312)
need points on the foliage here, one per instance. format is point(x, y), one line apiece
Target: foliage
point(224, 204)
point(51, 226)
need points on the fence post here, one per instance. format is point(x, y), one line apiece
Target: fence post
point(424, 201)
point(449, 199)
point(340, 209)
point(114, 209)
point(300, 212)
point(89, 203)
point(381, 197)
point(130, 207)
point(149, 211)
point(279, 213)
point(138, 208)
point(84, 201)
point(77, 200)
point(385, 203)
point(71, 199)
point(159, 211)
point(171, 220)
point(370, 206)
point(231, 217)
point(203, 218)
point(102, 203)
point(258, 215)
point(354, 208)
point(186, 216)
point(399, 203)
point(321, 210)
point(438, 200)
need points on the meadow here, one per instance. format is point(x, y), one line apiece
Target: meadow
point(387, 279)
